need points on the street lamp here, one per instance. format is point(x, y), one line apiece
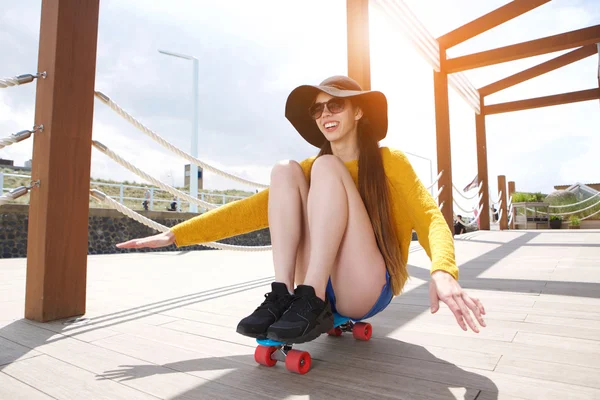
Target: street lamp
point(194, 153)
point(430, 167)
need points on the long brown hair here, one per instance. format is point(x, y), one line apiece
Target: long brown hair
point(375, 193)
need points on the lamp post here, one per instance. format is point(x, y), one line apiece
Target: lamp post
point(430, 167)
point(194, 153)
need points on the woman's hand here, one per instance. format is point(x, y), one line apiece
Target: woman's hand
point(444, 287)
point(160, 240)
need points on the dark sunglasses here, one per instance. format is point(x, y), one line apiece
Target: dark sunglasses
point(335, 105)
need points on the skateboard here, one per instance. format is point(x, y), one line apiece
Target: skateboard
point(268, 352)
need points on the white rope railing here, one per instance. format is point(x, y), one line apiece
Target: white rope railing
point(459, 192)
point(566, 213)
point(462, 209)
point(578, 203)
point(17, 192)
point(499, 198)
point(442, 205)
point(440, 190)
point(19, 80)
point(19, 136)
point(436, 180)
point(115, 107)
point(103, 198)
point(99, 146)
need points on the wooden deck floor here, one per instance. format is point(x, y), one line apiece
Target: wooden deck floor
point(162, 326)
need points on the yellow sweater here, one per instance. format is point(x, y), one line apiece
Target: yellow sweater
point(412, 208)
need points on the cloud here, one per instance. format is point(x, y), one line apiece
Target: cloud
point(252, 54)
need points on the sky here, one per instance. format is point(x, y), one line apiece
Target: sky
point(253, 53)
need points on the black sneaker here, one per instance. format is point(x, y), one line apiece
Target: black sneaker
point(306, 319)
point(276, 302)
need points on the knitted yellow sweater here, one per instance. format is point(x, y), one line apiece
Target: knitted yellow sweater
point(412, 208)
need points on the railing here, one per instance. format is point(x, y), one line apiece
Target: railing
point(155, 194)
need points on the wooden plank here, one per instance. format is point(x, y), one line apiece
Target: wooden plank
point(12, 389)
point(482, 166)
point(549, 44)
point(58, 212)
point(538, 70)
point(571, 322)
point(554, 372)
point(554, 342)
point(532, 351)
point(488, 21)
point(155, 380)
point(537, 389)
point(359, 60)
point(545, 101)
point(442, 134)
point(238, 371)
point(11, 352)
point(61, 380)
point(365, 376)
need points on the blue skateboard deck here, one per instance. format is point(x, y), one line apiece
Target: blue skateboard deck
point(338, 320)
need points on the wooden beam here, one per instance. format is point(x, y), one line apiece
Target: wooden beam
point(444, 159)
point(488, 21)
point(502, 199)
point(359, 62)
point(550, 44)
point(58, 212)
point(511, 191)
point(540, 69)
point(482, 169)
point(546, 101)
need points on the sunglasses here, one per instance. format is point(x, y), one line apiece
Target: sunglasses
point(335, 105)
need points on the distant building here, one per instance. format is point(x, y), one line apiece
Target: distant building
point(6, 162)
point(186, 180)
point(28, 164)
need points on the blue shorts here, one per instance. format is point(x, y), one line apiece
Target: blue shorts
point(382, 302)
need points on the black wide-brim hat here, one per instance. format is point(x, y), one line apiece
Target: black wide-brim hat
point(372, 103)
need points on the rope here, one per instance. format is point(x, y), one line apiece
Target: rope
point(436, 180)
point(499, 198)
point(440, 190)
point(19, 80)
point(17, 192)
point(462, 209)
point(566, 213)
point(576, 204)
point(19, 136)
point(466, 197)
point(103, 198)
point(144, 175)
point(106, 100)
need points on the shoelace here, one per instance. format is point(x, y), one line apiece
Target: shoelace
point(271, 298)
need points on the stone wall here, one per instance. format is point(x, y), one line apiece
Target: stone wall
point(106, 228)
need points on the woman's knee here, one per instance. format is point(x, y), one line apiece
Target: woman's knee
point(286, 170)
point(327, 166)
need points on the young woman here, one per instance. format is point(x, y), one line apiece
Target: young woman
point(341, 223)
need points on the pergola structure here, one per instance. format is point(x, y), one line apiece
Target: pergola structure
point(586, 42)
point(58, 211)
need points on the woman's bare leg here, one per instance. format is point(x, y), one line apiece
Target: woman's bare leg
point(343, 244)
point(287, 221)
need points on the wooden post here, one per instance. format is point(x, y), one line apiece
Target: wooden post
point(511, 190)
point(359, 62)
point(502, 199)
point(482, 169)
point(442, 125)
point(58, 211)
